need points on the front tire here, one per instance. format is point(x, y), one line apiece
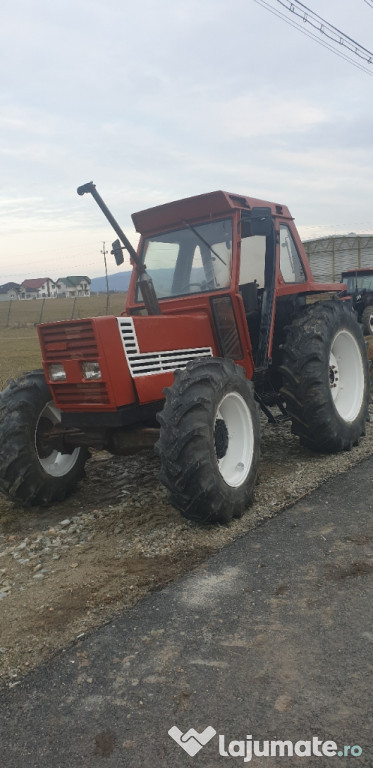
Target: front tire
point(30, 471)
point(326, 377)
point(209, 441)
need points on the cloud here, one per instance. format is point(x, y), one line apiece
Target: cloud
point(160, 100)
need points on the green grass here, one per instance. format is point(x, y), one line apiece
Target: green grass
point(19, 352)
point(19, 343)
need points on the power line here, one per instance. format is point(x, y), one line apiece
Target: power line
point(329, 30)
point(369, 2)
point(332, 33)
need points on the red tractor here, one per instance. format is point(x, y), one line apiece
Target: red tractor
point(359, 284)
point(223, 316)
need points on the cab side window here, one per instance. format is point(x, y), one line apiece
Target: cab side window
point(252, 260)
point(290, 264)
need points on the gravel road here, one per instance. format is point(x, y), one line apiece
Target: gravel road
point(73, 567)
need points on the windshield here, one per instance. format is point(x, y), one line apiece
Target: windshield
point(189, 260)
point(358, 282)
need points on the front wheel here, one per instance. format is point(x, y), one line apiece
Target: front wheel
point(326, 377)
point(31, 471)
point(209, 441)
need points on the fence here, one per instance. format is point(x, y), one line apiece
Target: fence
point(21, 314)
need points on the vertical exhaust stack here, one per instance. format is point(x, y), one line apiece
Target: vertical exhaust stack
point(144, 280)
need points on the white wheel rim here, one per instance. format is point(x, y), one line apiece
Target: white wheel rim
point(234, 466)
point(346, 375)
point(55, 464)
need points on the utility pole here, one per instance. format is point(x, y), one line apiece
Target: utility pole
point(106, 277)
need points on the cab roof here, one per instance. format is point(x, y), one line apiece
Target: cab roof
point(199, 207)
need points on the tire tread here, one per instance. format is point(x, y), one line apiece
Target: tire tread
point(306, 389)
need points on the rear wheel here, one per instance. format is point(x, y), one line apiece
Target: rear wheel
point(31, 471)
point(209, 441)
point(367, 320)
point(326, 377)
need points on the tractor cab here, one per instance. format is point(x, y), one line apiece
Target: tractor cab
point(358, 280)
point(359, 283)
point(237, 259)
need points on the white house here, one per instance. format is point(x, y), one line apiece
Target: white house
point(74, 285)
point(38, 288)
point(9, 291)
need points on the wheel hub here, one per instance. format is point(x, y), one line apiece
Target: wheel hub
point(53, 462)
point(221, 438)
point(346, 375)
point(333, 375)
point(42, 447)
point(234, 439)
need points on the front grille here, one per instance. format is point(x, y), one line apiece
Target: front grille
point(162, 362)
point(92, 393)
point(69, 341)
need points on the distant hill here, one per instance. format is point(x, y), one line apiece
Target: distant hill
point(162, 279)
point(117, 282)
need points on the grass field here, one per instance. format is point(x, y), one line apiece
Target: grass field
point(23, 313)
point(19, 352)
point(19, 344)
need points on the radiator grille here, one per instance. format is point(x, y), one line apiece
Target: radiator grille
point(147, 363)
point(92, 393)
point(69, 341)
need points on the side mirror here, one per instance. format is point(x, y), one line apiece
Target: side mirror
point(261, 222)
point(117, 251)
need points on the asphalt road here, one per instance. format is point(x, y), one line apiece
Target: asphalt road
point(270, 639)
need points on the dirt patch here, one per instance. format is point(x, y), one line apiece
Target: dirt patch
point(73, 567)
point(339, 573)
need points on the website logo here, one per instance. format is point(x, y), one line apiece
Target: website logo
point(250, 748)
point(191, 741)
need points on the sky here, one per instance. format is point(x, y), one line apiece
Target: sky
point(157, 100)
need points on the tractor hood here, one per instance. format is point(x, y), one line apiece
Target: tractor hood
point(155, 347)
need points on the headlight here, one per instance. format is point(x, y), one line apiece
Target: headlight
point(91, 371)
point(57, 372)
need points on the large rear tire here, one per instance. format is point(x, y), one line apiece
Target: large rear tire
point(326, 377)
point(209, 441)
point(31, 472)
